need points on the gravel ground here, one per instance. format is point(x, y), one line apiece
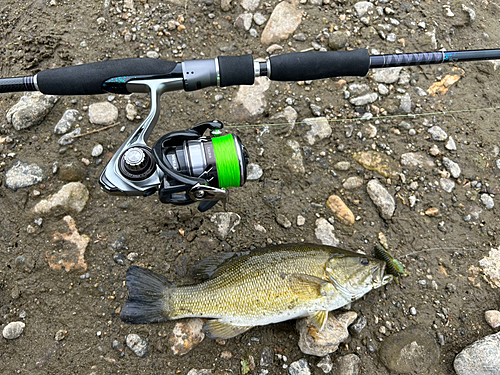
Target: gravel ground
point(407, 156)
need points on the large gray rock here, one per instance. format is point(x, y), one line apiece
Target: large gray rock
point(103, 113)
point(71, 198)
point(30, 110)
point(23, 175)
point(137, 345)
point(388, 75)
point(320, 129)
point(411, 351)
point(381, 198)
point(283, 22)
point(66, 122)
point(326, 341)
point(13, 330)
point(480, 358)
point(325, 232)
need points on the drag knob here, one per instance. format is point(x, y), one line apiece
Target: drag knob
point(134, 159)
point(137, 163)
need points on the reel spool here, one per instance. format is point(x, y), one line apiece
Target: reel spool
point(197, 168)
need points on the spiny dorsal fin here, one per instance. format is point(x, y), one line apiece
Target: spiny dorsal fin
point(217, 330)
point(210, 267)
point(319, 318)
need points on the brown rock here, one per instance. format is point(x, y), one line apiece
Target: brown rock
point(340, 209)
point(433, 211)
point(71, 255)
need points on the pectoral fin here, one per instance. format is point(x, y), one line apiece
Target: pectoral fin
point(308, 286)
point(319, 318)
point(217, 330)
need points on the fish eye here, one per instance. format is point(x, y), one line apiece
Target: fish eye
point(364, 261)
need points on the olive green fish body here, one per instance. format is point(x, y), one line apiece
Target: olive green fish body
point(267, 286)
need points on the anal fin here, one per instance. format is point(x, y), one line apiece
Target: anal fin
point(319, 318)
point(217, 330)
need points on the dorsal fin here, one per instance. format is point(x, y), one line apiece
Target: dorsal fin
point(211, 266)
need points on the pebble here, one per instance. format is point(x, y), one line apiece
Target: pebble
point(67, 121)
point(452, 167)
point(381, 198)
point(342, 166)
point(71, 172)
point(301, 220)
point(321, 343)
point(353, 183)
point(118, 346)
point(405, 104)
point(358, 325)
point(267, 356)
point(97, 151)
point(225, 5)
point(244, 21)
point(450, 144)
point(69, 138)
point(347, 365)
point(137, 345)
point(382, 89)
point(447, 184)
point(488, 201)
point(284, 20)
point(259, 18)
point(363, 8)
point(357, 89)
point(421, 92)
point(300, 367)
point(131, 112)
point(30, 110)
point(13, 330)
point(324, 232)
point(204, 371)
point(491, 267)
point(340, 209)
point(152, 55)
point(338, 40)
point(103, 113)
point(388, 75)
point(283, 221)
point(22, 175)
point(320, 129)
point(316, 109)
point(186, 335)
point(416, 160)
point(60, 335)
point(250, 5)
point(413, 311)
point(480, 358)
point(493, 318)
point(326, 364)
point(365, 99)
point(410, 351)
point(438, 134)
point(225, 222)
point(71, 197)
point(254, 172)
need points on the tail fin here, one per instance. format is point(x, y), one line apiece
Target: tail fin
point(148, 297)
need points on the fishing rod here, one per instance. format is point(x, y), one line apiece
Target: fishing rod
point(185, 166)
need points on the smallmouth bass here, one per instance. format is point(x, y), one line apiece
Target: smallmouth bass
point(266, 286)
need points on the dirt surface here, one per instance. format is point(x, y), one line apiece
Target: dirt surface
point(38, 35)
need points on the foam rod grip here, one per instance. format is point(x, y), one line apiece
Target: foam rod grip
point(236, 70)
point(87, 79)
point(302, 66)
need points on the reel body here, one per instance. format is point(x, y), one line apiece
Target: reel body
point(183, 166)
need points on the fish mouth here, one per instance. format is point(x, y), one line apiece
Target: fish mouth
point(379, 277)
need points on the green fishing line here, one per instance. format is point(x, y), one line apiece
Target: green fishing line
point(228, 166)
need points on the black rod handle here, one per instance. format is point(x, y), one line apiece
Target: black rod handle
point(88, 79)
point(302, 66)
